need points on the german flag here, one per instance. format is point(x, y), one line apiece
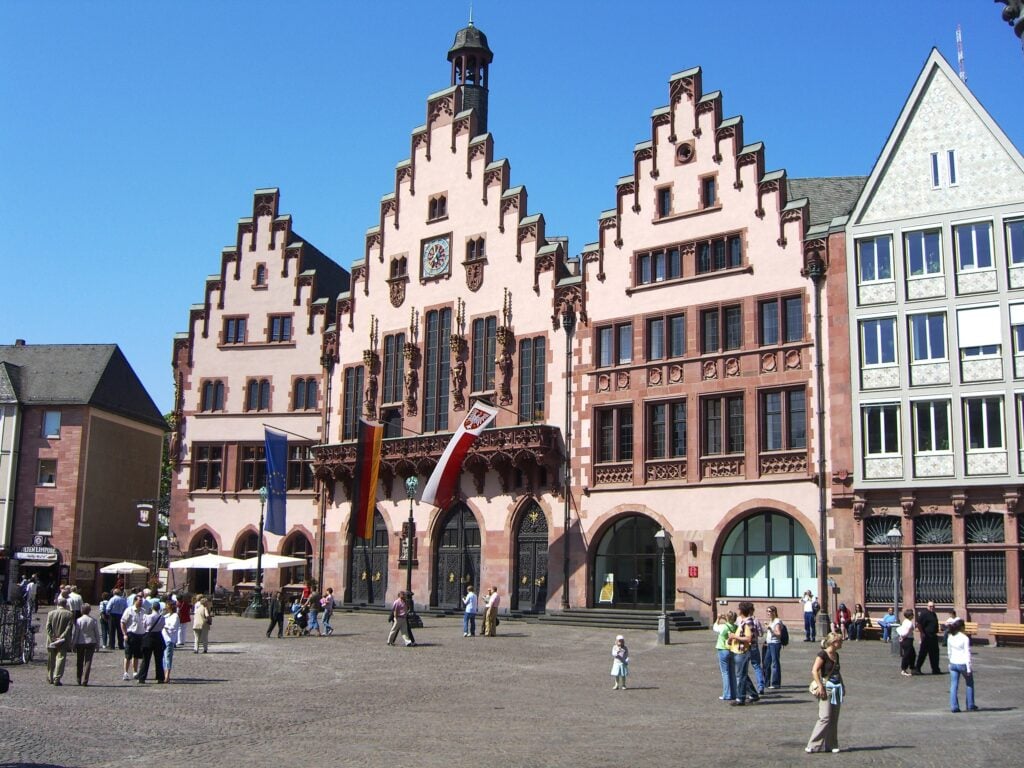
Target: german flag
point(364, 488)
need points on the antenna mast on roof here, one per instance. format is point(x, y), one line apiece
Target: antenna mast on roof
point(471, 14)
point(960, 54)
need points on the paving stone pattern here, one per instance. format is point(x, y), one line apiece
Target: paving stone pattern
point(536, 695)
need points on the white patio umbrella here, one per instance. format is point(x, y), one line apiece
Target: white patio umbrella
point(209, 561)
point(124, 567)
point(269, 561)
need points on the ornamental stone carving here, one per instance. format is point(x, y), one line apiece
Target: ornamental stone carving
point(769, 363)
point(622, 379)
point(397, 292)
point(732, 366)
point(617, 475)
point(604, 383)
point(782, 465)
point(793, 360)
point(675, 373)
point(713, 468)
point(710, 370)
point(654, 376)
point(675, 470)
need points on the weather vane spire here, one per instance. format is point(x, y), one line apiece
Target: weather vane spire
point(471, 14)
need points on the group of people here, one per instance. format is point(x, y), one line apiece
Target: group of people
point(141, 624)
point(307, 611)
point(739, 647)
point(470, 607)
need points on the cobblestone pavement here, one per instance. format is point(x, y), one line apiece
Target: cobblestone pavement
point(537, 695)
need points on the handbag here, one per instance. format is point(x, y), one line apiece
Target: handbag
point(814, 689)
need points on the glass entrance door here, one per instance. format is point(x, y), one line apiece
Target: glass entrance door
point(627, 566)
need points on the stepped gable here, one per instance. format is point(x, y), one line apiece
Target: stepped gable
point(452, 186)
point(690, 142)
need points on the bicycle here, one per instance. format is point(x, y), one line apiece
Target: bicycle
point(28, 646)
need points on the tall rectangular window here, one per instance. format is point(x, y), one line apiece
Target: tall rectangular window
point(234, 330)
point(484, 346)
point(437, 364)
point(666, 430)
point(207, 462)
point(51, 424)
point(722, 425)
point(352, 402)
point(257, 395)
point(709, 331)
point(42, 521)
point(666, 337)
point(931, 426)
point(935, 170)
point(983, 417)
point(47, 472)
point(615, 344)
point(614, 433)
point(924, 252)
point(253, 466)
point(664, 201)
point(733, 328)
point(874, 259)
point(973, 245)
point(532, 379)
point(878, 341)
point(951, 166)
point(1015, 242)
point(783, 420)
point(394, 368)
point(280, 328)
point(708, 191)
point(781, 318)
point(881, 429)
point(928, 337)
point(300, 468)
point(656, 338)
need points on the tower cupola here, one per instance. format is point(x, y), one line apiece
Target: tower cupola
point(470, 57)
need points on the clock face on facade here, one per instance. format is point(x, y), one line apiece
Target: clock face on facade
point(437, 257)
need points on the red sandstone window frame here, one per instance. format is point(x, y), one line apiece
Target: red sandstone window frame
point(303, 387)
point(300, 467)
point(234, 329)
point(280, 328)
point(259, 276)
point(673, 339)
point(709, 191)
point(252, 467)
point(614, 434)
point(212, 395)
point(721, 426)
point(785, 331)
point(662, 441)
point(258, 393)
point(210, 456)
point(437, 207)
point(792, 403)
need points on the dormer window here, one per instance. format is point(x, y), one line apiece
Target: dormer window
point(437, 208)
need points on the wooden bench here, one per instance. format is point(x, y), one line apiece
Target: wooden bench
point(1000, 632)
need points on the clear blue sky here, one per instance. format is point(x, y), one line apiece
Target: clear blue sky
point(133, 134)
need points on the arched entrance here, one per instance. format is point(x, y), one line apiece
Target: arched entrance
point(245, 547)
point(368, 566)
point(457, 558)
point(767, 554)
point(531, 574)
point(297, 545)
point(626, 566)
point(204, 580)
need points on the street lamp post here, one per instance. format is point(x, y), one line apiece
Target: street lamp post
point(569, 326)
point(411, 484)
point(894, 538)
point(257, 600)
point(662, 539)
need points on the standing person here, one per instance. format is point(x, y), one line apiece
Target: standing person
point(313, 606)
point(86, 640)
point(184, 618)
point(857, 623)
point(829, 678)
point(773, 649)
point(808, 601)
point(60, 626)
point(275, 608)
point(172, 623)
point(620, 663)
point(327, 603)
point(102, 619)
point(469, 613)
point(116, 607)
point(134, 631)
point(741, 642)
point(755, 655)
point(958, 649)
point(32, 595)
point(905, 632)
point(74, 602)
point(152, 642)
point(400, 621)
point(491, 613)
point(928, 626)
point(725, 626)
point(201, 622)
point(842, 621)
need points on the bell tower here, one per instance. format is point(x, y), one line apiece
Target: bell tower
point(470, 58)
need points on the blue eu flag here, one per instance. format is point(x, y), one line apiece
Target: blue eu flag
point(277, 472)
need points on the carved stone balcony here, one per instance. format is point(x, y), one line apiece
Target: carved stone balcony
point(527, 448)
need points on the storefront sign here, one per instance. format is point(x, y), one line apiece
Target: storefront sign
point(37, 554)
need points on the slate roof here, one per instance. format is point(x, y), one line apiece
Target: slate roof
point(10, 376)
point(97, 375)
point(830, 196)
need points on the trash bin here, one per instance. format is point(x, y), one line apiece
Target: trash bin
point(894, 642)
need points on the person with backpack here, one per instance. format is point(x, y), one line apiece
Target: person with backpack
point(777, 636)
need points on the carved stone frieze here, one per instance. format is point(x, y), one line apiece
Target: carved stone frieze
point(475, 274)
point(675, 373)
point(732, 366)
point(396, 289)
point(793, 360)
point(620, 474)
point(724, 467)
point(769, 363)
point(783, 464)
point(655, 376)
point(709, 370)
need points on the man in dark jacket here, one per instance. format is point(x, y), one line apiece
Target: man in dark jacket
point(928, 626)
point(275, 608)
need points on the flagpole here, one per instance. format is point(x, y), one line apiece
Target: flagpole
point(257, 600)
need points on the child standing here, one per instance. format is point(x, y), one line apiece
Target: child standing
point(620, 663)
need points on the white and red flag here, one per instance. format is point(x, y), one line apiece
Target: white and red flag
point(444, 481)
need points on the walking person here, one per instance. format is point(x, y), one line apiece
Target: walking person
point(905, 632)
point(741, 641)
point(86, 639)
point(620, 663)
point(400, 621)
point(809, 602)
point(134, 632)
point(773, 649)
point(202, 620)
point(827, 676)
point(469, 613)
point(60, 626)
point(928, 626)
point(102, 619)
point(152, 643)
point(275, 608)
point(725, 626)
point(327, 603)
point(172, 623)
point(184, 618)
point(958, 649)
point(116, 606)
point(313, 606)
point(491, 602)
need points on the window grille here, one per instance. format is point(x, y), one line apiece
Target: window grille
point(934, 577)
point(986, 577)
